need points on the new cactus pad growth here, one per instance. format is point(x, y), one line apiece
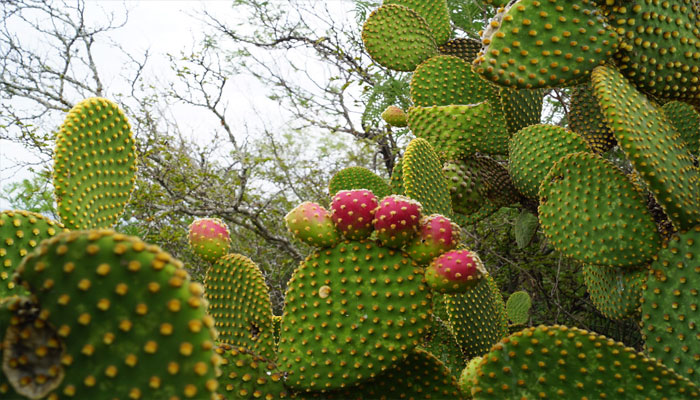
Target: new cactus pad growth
point(456, 271)
point(353, 211)
point(436, 235)
point(132, 323)
point(312, 224)
point(239, 301)
point(209, 238)
point(518, 307)
point(94, 165)
point(396, 220)
point(20, 233)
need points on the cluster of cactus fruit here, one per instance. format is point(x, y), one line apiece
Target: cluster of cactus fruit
point(390, 303)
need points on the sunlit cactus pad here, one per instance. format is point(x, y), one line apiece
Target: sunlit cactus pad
point(133, 323)
point(591, 212)
point(398, 38)
point(556, 362)
point(20, 233)
point(434, 12)
point(351, 312)
point(94, 165)
point(534, 150)
point(424, 180)
point(246, 375)
point(670, 305)
point(239, 301)
point(651, 144)
point(535, 44)
point(358, 178)
point(446, 80)
point(419, 376)
point(615, 292)
point(587, 119)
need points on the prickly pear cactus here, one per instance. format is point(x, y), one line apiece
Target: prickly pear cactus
point(210, 238)
point(20, 233)
point(94, 165)
point(615, 292)
point(132, 322)
point(358, 178)
point(246, 375)
point(518, 307)
point(423, 179)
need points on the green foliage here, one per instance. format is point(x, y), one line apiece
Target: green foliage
point(518, 307)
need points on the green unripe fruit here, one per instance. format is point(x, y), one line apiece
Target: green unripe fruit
point(209, 238)
point(395, 116)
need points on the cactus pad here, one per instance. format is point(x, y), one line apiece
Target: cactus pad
point(525, 228)
point(466, 189)
point(20, 233)
point(686, 120)
point(518, 307)
point(358, 178)
point(615, 292)
point(239, 301)
point(424, 180)
point(521, 107)
point(396, 182)
point(246, 375)
point(556, 362)
point(536, 44)
point(350, 313)
point(398, 38)
point(670, 305)
point(132, 322)
point(441, 342)
point(534, 150)
point(651, 144)
point(587, 119)
point(469, 373)
point(434, 12)
point(584, 187)
point(94, 165)
point(464, 48)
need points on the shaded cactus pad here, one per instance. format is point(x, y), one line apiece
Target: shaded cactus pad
point(246, 375)
point(239, 301)
point(132, 322)
point(358, 178)
point(434, 12)
point(351, 312)
point(556, 362)
point(615, 292)
point(423, 179)
point(94, 165)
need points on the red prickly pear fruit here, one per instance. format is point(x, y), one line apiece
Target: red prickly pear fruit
point(436, 235)
point(209, 238)
point(455, 272)
point(312, 224)
point(396, 220)
point(353, 212)
point(395, 116)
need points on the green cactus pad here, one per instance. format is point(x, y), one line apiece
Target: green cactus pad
point(424, 180)
point(468, 375)
point(276, 325)
point(358, 178)
point(518, 307)
point(246, 375)
point(20, 233)
point(670, 305)
point(419, 376)
point(534, 150)
point(660, 52)
point(615, 292)
point(351, 312)
point(537, 44)
point(591, 212)
point(239, 301)
point(94, 165)
point(7, 305)
point(434, 12)
point(651, 144)
point(461, 130)
point(398, 38)
point(464, 48)
point(477, 317)
point(441, 342)
point(556, 362)
point(498, 186)
point(396, 181)
point(587, 119)
point(686, 120)
point(467, 191)
point(132, 322)
point(525, 228)
point(446, 80)
point(521, 107)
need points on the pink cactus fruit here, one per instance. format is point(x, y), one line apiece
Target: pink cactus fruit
point(395, 116)
point(455, 272)
point(209, 238)
point(437, 234)
point(312, 224)
point(352, 212)
point(396, 220)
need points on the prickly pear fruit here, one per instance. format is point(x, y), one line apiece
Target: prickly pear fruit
point(396, 220)
point(455, 272)
point(352, 212)
point(210, 238)
point(312, 224)
point(436, 235)
point(395, 116)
